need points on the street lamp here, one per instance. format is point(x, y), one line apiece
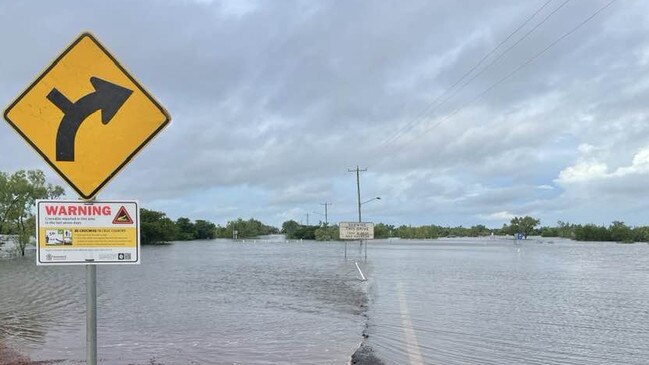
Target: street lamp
point(367, 201)
point(361, 203)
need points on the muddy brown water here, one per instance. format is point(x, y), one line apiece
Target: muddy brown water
point(458, 301)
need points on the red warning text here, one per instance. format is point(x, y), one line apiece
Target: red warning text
point(69, 210)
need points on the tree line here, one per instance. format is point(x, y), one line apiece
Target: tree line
point(616, 231)
point(157, 228)
point(183, 229)
point(20, 190)
point(525, 226)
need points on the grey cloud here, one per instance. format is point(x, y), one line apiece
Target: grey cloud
point(285, 96)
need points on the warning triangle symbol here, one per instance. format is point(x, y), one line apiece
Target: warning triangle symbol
point(122, 217)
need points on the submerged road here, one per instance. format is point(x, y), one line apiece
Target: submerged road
point(412, 346)
point(489, 301)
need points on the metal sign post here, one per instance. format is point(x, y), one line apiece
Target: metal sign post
point(91, 314)
point(365, 251)
point(87, 233)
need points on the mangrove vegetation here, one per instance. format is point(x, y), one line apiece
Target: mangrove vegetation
point(20, 190)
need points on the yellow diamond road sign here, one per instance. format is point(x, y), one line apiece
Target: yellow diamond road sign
point(86, 116)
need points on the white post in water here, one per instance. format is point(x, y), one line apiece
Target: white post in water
point(359, 270)
point(91, 314)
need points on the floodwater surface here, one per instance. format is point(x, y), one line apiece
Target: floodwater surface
point(460, 301)
point(209, 302)
point(488, 301)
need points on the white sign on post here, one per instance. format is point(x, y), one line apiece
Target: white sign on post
point(79, 233)
point(356, 231)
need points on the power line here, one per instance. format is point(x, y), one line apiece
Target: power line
point(451, 92)
point(520, 67)
point(428, 109)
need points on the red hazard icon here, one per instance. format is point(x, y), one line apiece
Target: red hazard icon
point(122, 217)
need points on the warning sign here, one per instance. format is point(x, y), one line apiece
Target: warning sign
point(122, 217)
point(356, 231)
point(77, 232)
point(86, 116)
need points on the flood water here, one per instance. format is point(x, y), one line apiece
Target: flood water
point(493, 302)
point(458, 301)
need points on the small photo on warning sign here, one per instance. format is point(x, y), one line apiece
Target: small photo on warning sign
point(58, 237)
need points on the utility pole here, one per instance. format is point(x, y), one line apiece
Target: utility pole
point(357, 170)
point(326, 218)
point(307, 218)
point(358, 191)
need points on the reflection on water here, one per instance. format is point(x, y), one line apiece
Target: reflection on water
point(434, 302)
point(493, 302)
point(196, 302)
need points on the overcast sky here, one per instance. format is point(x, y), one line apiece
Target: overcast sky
point(273, 101)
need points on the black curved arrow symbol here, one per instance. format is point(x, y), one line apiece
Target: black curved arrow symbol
point(107, 97)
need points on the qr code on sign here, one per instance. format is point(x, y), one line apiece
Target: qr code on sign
point(124, 256)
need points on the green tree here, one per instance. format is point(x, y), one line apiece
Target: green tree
point(591, 232)
point(289, 228)
point(304, 233)
point(382, 230)
point(549, 232)
point(295, 231)
point(641, 234)
point(620, 232)
point(327, 233)
point(25, 234)
point(245, 229)
point(478, 231)
point(566, 230)
point(186, 229)
point(204, 230)
point(156, 227)
point(18, 195)
point(525, 225)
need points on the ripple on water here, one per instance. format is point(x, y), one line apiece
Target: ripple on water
point(194, 302)
point(493, 303)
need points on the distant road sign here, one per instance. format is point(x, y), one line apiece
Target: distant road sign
point(77, 232)
point(86, 116)
point(356, 231)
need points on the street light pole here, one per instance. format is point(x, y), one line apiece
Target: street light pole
point(358, 192)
